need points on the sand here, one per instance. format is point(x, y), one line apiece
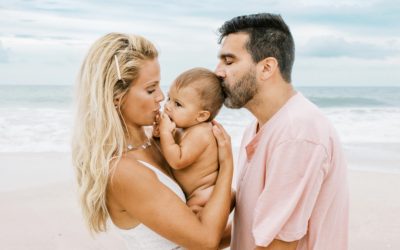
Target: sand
point(39, 208)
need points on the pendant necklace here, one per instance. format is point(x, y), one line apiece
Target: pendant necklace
point(145, 145)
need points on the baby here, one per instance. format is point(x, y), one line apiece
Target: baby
point(194, 99)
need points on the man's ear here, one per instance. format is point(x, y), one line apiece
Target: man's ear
point(203, 116)
point(267, 67)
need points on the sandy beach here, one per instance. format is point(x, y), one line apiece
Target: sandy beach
point(39, 208)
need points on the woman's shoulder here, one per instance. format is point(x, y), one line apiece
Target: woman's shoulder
point(136, 188)
point(128, 171)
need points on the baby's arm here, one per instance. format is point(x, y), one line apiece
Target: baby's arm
point(188, 151)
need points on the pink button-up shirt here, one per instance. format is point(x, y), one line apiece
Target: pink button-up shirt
point(292, 182)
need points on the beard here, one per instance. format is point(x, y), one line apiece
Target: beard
point(240, 92)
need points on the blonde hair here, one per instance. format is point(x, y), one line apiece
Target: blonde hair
point(99, 130)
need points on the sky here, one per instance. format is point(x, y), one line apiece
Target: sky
point(338, 43)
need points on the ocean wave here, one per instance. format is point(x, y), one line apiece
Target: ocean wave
point(353, 96)
point(366, 125)
point(35, 130)
point(43, 123)
point(347, 102)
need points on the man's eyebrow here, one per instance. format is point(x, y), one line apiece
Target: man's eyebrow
point(225, 55)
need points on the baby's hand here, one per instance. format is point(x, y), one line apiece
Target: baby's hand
point(156, 126)
point(166, 124)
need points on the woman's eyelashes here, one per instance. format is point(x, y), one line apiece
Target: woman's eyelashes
point(152, 88)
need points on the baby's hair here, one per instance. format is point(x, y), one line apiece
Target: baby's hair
point(208, 87)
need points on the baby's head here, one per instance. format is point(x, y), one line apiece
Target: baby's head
point(195, 96)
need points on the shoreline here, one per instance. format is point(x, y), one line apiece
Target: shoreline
point(40, 207)
point(373, 157)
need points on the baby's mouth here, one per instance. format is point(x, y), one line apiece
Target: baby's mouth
point(169, 115)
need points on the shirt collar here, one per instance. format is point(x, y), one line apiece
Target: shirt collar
point(255, 136)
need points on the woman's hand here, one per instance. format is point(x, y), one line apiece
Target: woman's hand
point(224, 145)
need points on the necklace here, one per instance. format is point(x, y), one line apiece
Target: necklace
point(145, 145)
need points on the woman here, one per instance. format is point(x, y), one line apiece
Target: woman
point(120, 170)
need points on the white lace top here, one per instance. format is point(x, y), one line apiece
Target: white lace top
point(142, 237)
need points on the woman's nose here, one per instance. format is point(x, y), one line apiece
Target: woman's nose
point(160, 97)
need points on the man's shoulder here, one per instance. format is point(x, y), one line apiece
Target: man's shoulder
point(305, 113)
point(305, 121)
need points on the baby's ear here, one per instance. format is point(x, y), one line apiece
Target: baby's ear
point(203, 116)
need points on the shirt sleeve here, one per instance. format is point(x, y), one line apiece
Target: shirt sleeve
point(294, 175)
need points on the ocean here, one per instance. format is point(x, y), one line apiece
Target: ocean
point(39, 119)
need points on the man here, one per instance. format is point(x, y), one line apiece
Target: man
point(292, 188)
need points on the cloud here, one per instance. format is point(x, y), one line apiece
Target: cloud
point(42, 33)
point(345, 12)
point(328, 46)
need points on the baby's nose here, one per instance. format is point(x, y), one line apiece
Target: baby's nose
point(167, 107)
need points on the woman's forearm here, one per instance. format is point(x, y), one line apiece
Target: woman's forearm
point(216, 211)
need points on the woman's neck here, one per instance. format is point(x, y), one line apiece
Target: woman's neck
point(136, 135)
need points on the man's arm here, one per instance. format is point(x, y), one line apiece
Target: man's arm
point(295, 176)
point(280, 245)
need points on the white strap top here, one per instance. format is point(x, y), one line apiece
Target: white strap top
point(142, 237)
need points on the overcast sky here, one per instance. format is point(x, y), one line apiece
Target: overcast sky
point(338, 43)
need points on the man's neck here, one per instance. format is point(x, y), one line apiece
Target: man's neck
point(269, 100)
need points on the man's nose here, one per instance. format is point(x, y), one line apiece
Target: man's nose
point(219, 71)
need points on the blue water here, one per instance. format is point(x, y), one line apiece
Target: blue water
point(324, 97)
point(39, 118)
point(35, 96)
point(353, 96)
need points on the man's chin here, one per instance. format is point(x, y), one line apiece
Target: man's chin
point(229, 104)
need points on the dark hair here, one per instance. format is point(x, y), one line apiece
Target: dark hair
point(269, 37)
point(208, 87)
